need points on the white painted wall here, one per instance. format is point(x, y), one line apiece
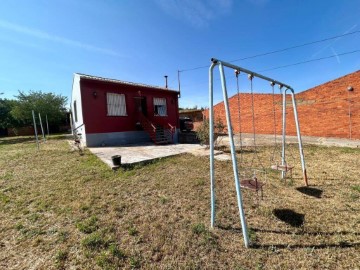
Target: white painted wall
point(76, 96)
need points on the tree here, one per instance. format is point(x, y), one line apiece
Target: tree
point(6, 118)
point(203, 133)
point(50, 104)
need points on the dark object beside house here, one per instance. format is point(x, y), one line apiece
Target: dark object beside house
point(186, 124)
point(116, 160)
point(188, 137)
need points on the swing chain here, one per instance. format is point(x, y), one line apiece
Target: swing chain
point(237, 73)
point(274, 121)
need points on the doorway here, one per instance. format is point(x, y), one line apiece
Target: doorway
point(141, 105)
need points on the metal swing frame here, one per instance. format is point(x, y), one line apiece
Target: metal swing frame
point(221, 64)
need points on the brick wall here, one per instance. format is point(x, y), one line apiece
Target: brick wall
point(323, 110)
point(21, 131)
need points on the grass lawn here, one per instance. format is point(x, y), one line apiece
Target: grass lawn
point(63, 210)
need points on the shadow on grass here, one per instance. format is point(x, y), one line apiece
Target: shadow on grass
point(304, 232)
point(15, 140)
point(144, 163)
point(342, 244)
point(310, 191)
point(237, 229)
point(290, 217)
point(300, 246)
point(60, 136)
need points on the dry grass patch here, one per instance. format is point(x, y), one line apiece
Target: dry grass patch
point(62, 210)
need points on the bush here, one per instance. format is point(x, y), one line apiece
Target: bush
point(203, 133)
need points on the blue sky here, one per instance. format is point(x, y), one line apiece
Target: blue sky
point(42, 43)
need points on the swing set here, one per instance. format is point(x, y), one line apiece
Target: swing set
point(252, 183)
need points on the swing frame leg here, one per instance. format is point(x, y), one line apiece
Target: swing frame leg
point(301, 151)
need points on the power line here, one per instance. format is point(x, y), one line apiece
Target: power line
point(279, 50)
point(308, 61)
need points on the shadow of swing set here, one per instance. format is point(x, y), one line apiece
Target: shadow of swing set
point(253, 182)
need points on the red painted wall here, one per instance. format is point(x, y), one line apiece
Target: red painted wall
point(323, 110)
point(95, 108)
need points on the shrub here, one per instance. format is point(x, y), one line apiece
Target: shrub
point(203, 133)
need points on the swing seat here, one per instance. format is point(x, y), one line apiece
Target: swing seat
point(252, 184)
point(283, 168)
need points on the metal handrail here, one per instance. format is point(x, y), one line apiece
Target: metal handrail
point(83, 124)
point(144, 119)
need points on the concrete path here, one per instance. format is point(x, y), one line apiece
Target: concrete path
point(134, 154)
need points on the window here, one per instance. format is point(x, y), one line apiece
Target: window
point(75, 111)
point(160, 107)
point(116, 105)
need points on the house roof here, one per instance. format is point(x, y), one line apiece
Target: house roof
point(97, 78)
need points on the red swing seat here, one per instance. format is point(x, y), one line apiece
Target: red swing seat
point(252, 184)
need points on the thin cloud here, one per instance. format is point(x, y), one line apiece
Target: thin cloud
point(22, 43)
point(333, 42)
point(54, 38)
point(336, 55)
point(196, 12)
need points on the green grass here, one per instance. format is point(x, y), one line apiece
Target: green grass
point(60, 258)
point(199, 228)
point(88, 225)
point(4, 198)
point(94, 241)
point(60, 209)
point(133, 231)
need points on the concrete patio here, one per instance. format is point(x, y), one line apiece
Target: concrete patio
point(136, 154)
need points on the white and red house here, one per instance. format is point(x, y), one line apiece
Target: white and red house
point(112, 112)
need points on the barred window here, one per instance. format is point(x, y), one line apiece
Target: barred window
point(160, 107)
point(116, 105)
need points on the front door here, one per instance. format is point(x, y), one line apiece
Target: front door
point(144, 106)
point(141, 105)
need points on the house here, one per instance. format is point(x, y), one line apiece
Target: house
point(113, 112)
point(331, 109)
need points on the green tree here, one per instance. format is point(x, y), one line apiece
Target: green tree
point(203, 133)
point(6, 118)
point(50, 104)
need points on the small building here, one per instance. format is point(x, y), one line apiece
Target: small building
point(112, 112)
point(195, 115)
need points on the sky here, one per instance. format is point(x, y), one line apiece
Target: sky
point(43, 43)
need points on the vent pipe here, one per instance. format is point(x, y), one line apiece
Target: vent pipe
point(166, 85)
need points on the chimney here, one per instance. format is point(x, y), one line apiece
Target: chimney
point(166, 85)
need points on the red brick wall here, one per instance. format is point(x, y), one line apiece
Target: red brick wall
point(323, 110)
point(22, 131)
